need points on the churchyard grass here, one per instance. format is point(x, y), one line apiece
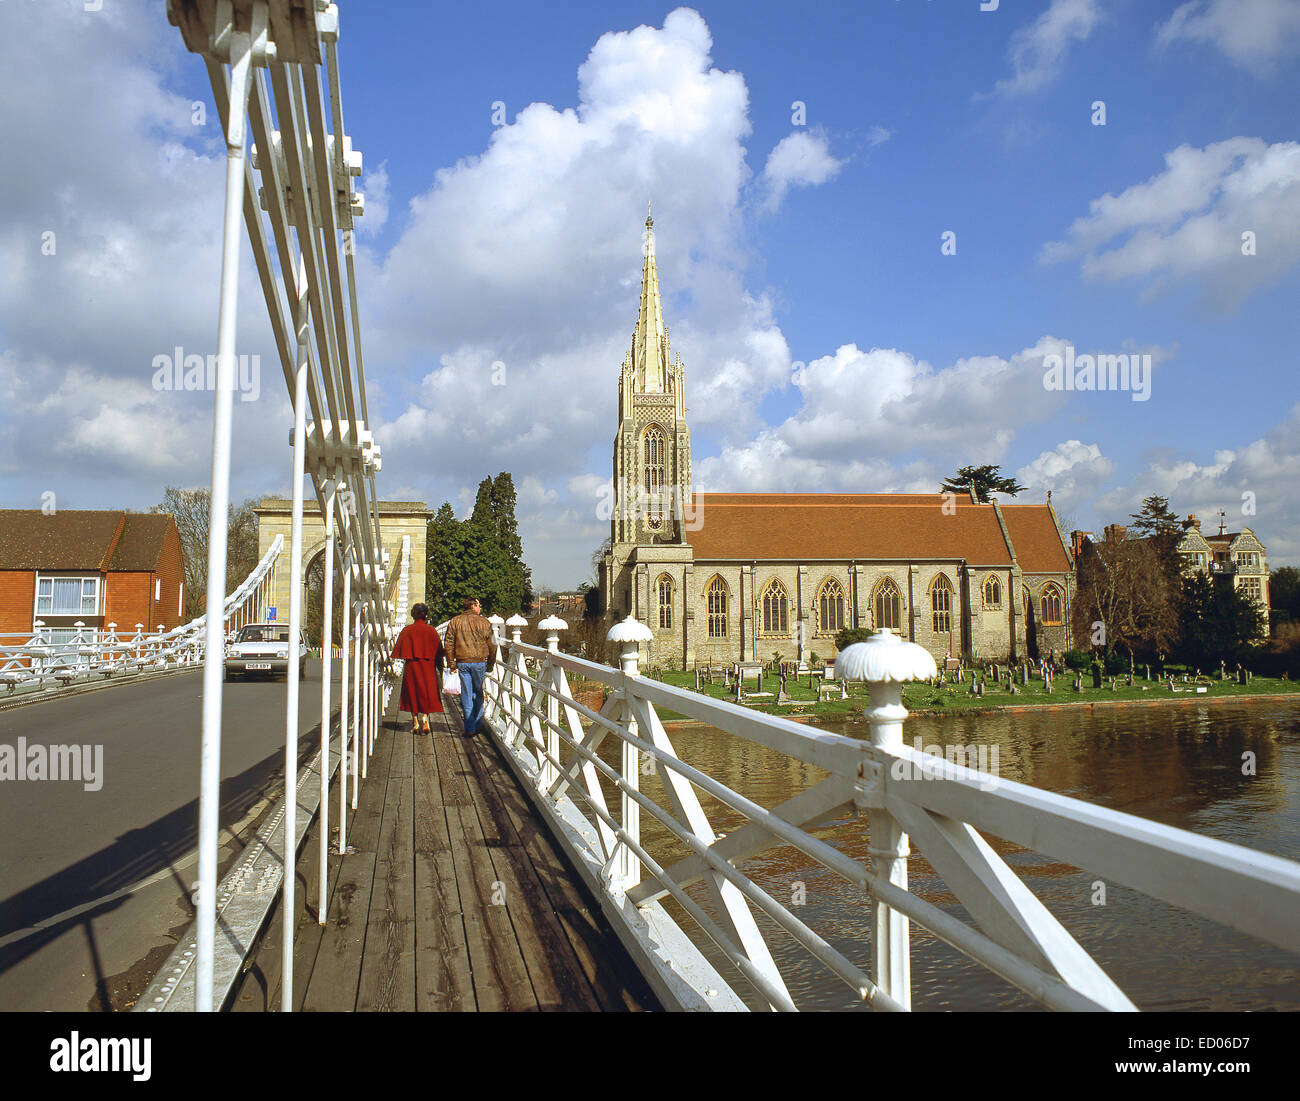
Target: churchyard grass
point(927, 698)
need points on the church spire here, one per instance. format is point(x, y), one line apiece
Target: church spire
point(649, 343)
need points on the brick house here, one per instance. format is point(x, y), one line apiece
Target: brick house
point(90, 566)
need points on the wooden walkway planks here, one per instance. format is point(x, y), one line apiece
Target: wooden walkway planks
point(452, 898)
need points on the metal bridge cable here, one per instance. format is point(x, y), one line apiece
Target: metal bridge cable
point(292, 142)
point(327, 197)
point(290, 258)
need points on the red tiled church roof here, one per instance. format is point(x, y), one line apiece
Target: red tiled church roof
point(866, 526)
point(1035, 537)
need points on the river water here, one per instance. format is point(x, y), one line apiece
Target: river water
point(1180, 765)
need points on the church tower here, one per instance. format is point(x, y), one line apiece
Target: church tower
point(652, 448)
point(652, 459)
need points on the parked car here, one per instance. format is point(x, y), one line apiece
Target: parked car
point(263, 648)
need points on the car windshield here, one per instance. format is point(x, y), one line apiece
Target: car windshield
point(263, 634)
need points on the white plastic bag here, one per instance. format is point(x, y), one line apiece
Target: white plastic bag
point(450, 684)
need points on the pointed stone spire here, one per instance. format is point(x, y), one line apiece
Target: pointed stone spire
point(648, 343)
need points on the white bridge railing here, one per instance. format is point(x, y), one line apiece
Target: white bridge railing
point(31, 664)
point(554, 745)
point(274, 72)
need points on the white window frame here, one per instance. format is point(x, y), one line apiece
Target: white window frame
point(38, 612)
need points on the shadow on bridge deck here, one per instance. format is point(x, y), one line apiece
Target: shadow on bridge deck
point(454, 900)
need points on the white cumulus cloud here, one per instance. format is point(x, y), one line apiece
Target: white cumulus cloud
point(1228, 214)
point(1039, 50)
point(802, 159)
point(1253, 34)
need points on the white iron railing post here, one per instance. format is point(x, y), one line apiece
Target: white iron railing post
point(552, 625)
point(493, 682)
point(629, 634)
point(519, 686)
point(885, 661)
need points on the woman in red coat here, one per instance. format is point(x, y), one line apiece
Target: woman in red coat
point(420, 647)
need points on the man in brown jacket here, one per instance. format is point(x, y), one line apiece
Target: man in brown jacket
point(470, 653)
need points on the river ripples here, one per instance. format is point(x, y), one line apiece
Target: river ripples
point(1181, 766)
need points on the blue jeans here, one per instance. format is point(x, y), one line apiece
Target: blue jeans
point(471, 693)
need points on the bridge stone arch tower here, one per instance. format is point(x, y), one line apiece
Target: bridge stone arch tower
point(397, 519)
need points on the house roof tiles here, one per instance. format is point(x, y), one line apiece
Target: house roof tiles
point(97, 540)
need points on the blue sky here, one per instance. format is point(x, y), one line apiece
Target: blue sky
point(830, 345)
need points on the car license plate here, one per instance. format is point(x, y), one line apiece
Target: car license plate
point(259, 665)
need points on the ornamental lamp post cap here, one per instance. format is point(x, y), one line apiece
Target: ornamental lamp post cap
point(516, 620)
point(553, 623)
point(885, 657)
point(629, 630)
point(495, 620)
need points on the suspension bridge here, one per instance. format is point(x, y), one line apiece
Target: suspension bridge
point(574, 858)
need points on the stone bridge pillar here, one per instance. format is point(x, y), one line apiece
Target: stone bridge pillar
point(396, 519)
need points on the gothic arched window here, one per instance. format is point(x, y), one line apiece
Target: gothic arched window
point(776, 610)
point(888, 606)
point(654, 473)
point(993, 593)
point(941, 604)
point(665, 602)
point(1051, 605)
point(654, 468)
point(830, 608)
point(716, 606)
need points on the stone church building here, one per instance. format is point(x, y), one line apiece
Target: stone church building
point(729, 577)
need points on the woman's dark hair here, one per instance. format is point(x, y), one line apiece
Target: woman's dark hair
point(420, 611)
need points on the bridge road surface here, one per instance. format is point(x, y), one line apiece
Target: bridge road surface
point(95, 885)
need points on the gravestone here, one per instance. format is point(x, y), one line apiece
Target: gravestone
point(1241, 675)
point(1096, 676)
point(1078, 681)
point(697, 678)
point(781, 696)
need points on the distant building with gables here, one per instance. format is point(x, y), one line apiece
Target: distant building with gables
point(1231, 556)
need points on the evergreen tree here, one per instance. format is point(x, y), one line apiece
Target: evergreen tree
point(1157, 524)
point(1219, 622)
point(1284, 593)
point(984, 480)
point(443, 541)
point(481, 556)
